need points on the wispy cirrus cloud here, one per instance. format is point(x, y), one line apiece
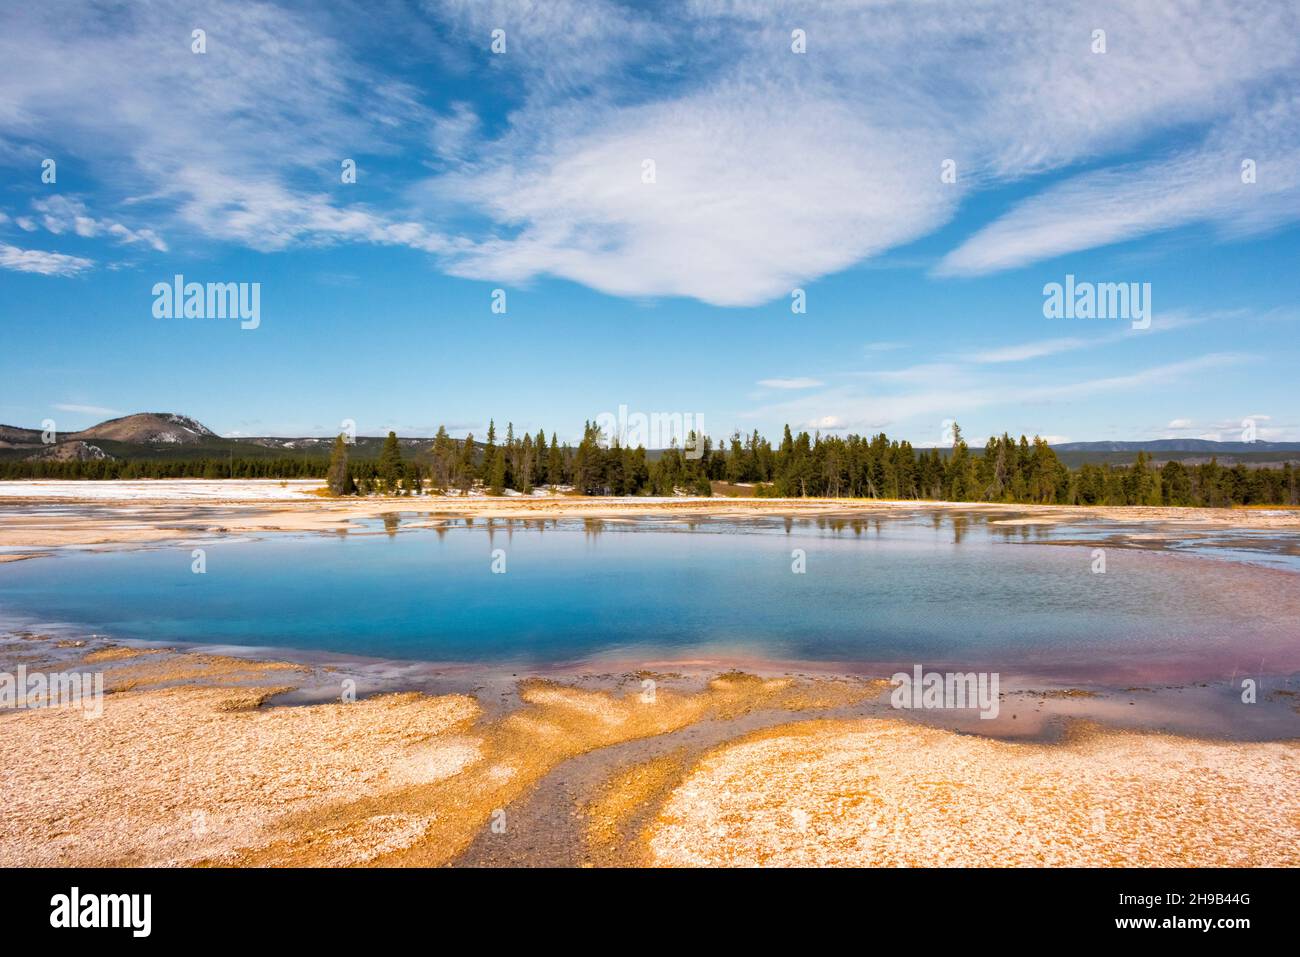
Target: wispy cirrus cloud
point(795, 383)
point(881, 399)
point(1207, 185)
point(771, 168)
point(60, 214)
point(1030, 350)
point(1169, 321)
point(87, 409)
point(240, 144)
point(734, 158)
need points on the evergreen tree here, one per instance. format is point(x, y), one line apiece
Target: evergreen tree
point(465, 468)
point(524, 478)
point(390, 463)
point(489, 453)
point(554, 464)
point(495, 467)
point(444, 460)
point(541, 451)
point(338, 479)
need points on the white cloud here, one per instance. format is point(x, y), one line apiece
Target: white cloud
point(42, 262)
point(1030, 350)
point(60, 213)
point(87, 409)
point(1154, 375)
point(734, 216)
point(1164, 321)
point(221, 143)
point(1180, 424)
point(932, 392)
point(798, 383)
point(773, 169)
point(1114, 205)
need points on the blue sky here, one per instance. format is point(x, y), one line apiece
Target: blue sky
point(524, 170)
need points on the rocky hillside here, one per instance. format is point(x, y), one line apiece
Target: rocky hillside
point(126, 437)
point(148, 428)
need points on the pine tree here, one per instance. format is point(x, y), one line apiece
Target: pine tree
point(540, 453)
point(338, 479)
point(554, 464)
point(465, 469)
point(524, 478)
point(489, 453)
point(390, 463)
point(494, 465)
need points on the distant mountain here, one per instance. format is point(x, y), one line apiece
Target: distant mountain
point(168, 435)
point(1179, 445)
point(131, 436)
point(149, 428)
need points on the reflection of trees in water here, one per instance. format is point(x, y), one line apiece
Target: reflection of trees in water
point(960, 526)
point(1022, 531)
point(495, 524)
point(593, 526)
point(841, 523)
point(391, 521)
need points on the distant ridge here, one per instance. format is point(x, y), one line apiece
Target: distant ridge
point(1178, 445)
point(169, 435)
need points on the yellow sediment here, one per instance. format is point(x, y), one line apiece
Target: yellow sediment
point(193, 766)
point(877, 792)
point(117, 653)
point(182, 774)
point(555, 723)
point(623, 797)
point(194, 668)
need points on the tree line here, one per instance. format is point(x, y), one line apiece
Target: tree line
point(204, 467)
point(801, 465)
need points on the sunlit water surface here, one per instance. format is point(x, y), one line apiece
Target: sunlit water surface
point(874, 594)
